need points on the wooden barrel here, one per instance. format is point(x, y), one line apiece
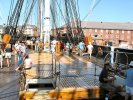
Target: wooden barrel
point(6, 38)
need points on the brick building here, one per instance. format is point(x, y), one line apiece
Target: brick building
point(112, 32)
point(30, 30)
point(109, 31)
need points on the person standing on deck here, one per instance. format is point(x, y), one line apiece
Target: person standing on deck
point(36, 45)
point(90, 48)
point(53, 46)
point(106, 82)
point(27, 62)
point(20, 56)
point(27, 67)
point(8, 52)
point(17, 49)
point(17, 46)
point(23, 49)
point(81, 47)
point(1, 57)
point(129, 81)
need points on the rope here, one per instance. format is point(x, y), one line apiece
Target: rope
point(10, 11)
point(91, 9)
point(27, 18)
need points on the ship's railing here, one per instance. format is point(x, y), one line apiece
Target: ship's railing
point(115, 58)
point(107, 49)
point(117, 66)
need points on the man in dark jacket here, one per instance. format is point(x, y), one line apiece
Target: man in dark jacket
point(106, 81)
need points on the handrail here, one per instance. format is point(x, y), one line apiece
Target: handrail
point(116, 62)
point(55, 70)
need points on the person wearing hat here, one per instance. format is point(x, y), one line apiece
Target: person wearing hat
point(129, 81)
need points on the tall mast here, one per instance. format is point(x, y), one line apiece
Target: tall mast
point(40, 19)
point(47, 25)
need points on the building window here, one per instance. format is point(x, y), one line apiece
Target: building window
point(112, 31)
point(128, 32)
point(101, 31)
point(95, 30)
point(117, 31)
point(122, 31)
point(95, 35)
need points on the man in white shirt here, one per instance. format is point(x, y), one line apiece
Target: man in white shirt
point(23, 48)
point(53, 46)
point(17, 46)
point(90, 48)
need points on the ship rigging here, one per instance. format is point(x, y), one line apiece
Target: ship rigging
point(50, 21)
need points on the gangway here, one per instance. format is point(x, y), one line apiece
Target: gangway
point(44, 73)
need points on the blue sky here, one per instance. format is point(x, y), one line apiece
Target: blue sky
point(105, 11)
point(4, 10)
point(108, 10)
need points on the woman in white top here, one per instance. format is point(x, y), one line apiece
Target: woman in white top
point(28, 66)
point(90, 48)
point(28, 62)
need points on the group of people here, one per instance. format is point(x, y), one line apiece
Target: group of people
point(24, 61)
point(6, 53)
point(22, 56)
point(106, 81)
point(78, 48)
point(82, 47)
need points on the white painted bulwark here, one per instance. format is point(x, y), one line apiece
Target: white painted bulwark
point(39, 81)
point(47, 25)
